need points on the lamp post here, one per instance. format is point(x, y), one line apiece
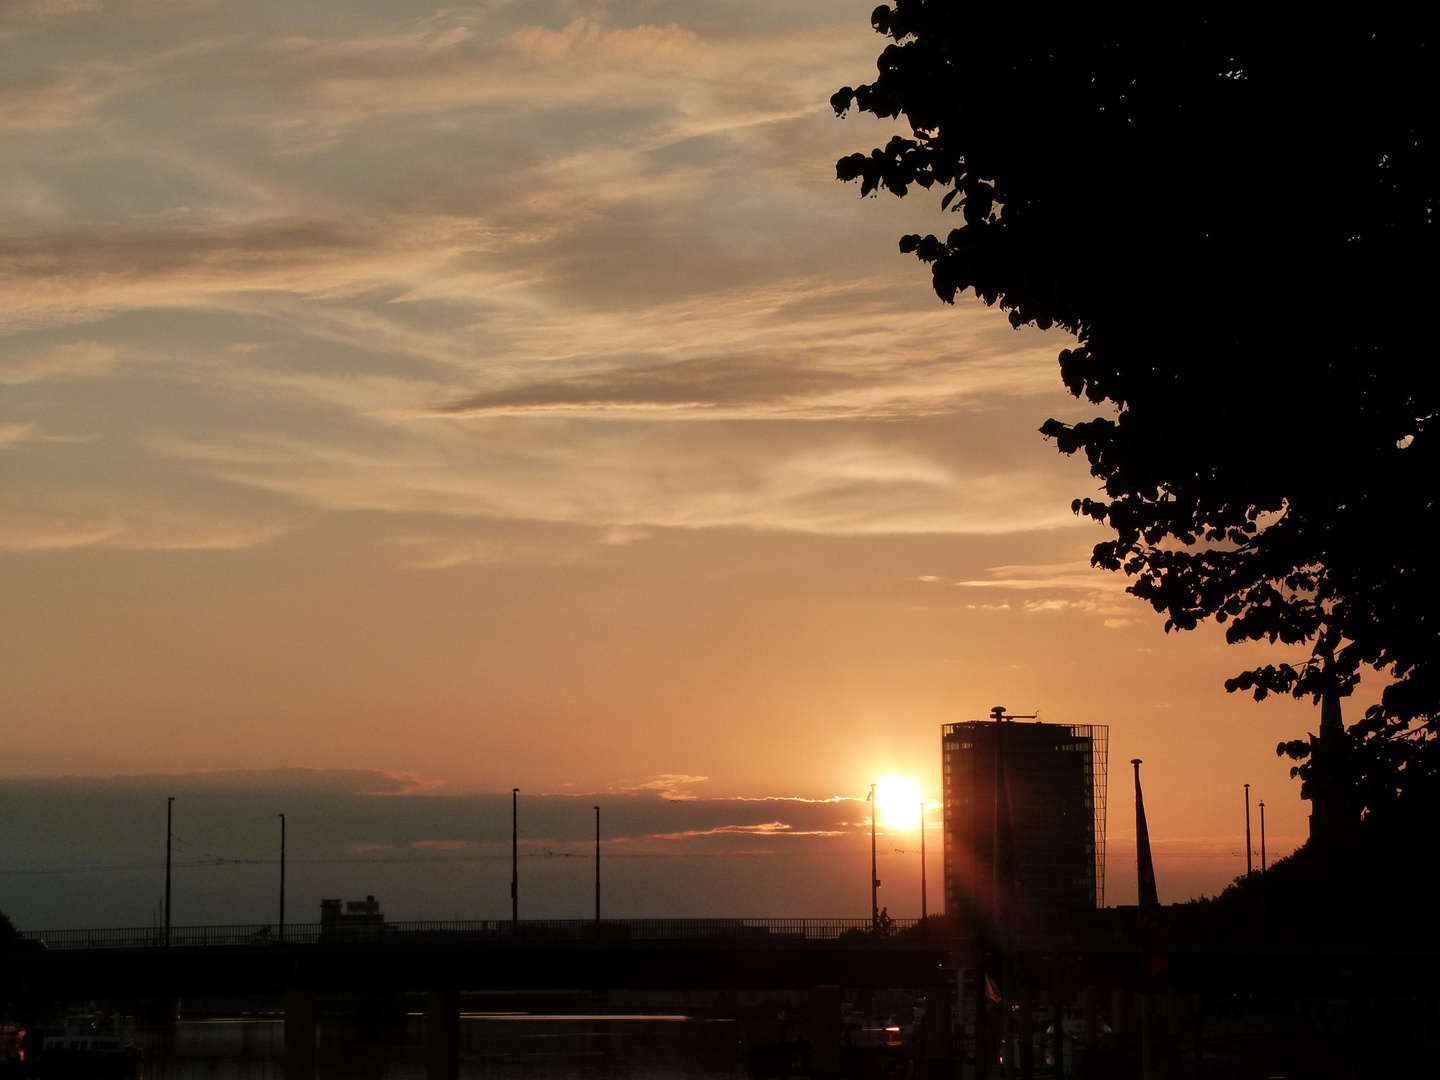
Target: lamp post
point(514, 860)
point(874, 869)
point(597, 866)
point(1249, 860)
point(282, 877)
point(169, 820)
point(923, 911)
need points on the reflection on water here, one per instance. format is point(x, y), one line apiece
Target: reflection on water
point(492, 1047)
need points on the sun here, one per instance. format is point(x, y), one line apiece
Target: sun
point(898, 801)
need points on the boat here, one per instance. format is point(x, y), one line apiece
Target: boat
point(88, 1047)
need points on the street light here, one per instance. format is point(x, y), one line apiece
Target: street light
point(514, 861)
point(282, 877)
point(874, 870)
point(923, 911)
point(169, 819)
point(1249, 859)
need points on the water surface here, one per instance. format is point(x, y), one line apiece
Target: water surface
point(492, 1047)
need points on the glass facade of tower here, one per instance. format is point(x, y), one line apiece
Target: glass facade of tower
point(1054, 780)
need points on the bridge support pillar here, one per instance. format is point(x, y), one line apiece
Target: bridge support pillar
point(826, 1033)
point(939, 1042)
point(1024, 1050)
point(1090, 1033)
point(299, 1034)
point(442, 1034)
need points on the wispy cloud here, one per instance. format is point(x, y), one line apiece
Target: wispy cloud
point(769, 828)
point(1072, 586)
point(846, 482)
point(29, 532)
point(77, 358)
point(673, 787)
point(45, 104)
point(1051, 577)
point(495, 262)
point(10, 434)
point(132, 526)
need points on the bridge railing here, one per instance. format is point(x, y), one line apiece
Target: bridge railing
point(458, 931)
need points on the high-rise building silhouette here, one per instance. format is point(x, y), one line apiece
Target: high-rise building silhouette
point(1051, 834)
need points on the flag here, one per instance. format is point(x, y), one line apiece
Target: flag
point(1152, 944)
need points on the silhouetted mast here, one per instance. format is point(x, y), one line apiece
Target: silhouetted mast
point(282, 877)
point(999, 908)
point(597, 865)
point(169, 820)
point(1249, 859)
point(923, 911)
point(514, 859)
point(874, 875)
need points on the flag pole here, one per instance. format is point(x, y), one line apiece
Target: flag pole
point(1003, 869)
point(874, 874)
point(1249, 853)
point(515, 862)
point(923, 912)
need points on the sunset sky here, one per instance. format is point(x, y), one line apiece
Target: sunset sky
point(508, 395)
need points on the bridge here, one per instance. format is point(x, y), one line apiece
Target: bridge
point(443, 958)
point(476, 955)
point(653, 954)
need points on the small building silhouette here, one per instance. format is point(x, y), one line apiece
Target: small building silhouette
point(352, 920)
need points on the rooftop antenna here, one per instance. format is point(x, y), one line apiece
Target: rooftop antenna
point(998, 713)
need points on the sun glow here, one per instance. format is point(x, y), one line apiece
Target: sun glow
point(898, 801)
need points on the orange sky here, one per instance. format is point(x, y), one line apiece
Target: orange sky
point(509, 395)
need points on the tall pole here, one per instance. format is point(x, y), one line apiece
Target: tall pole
point(923, 911)
point(282, 877)
point(1249, 860)
point(1263, 865)
point(169, 821)
point(1002, 879)
point(514, 860)
point(597, 865)
point(874, 869)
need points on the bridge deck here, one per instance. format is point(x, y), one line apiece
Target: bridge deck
point(406, 934)
point(533, 955)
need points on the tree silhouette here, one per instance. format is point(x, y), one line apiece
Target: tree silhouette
point(1232, 210)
